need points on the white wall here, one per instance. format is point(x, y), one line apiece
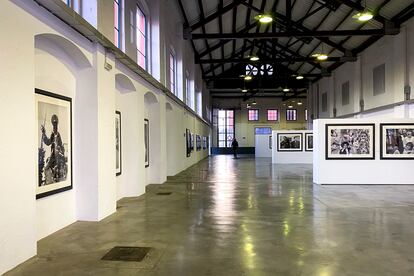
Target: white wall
point(362, 172)
point(293, 157)
point(63, 62)
point(396, 52)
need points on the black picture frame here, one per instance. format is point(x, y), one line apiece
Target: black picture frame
point(400, 143)
point(308, 136)
point(370, 127)
point(204, 142)
point(291, 134)
point(192, 141)
point(198, 142)
point(47, 104)
point(188, 142)
point(118, 143)
point(147, 142)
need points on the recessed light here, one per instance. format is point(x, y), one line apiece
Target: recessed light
point(264, 18)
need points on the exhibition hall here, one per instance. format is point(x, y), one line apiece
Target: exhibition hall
point(207, 137)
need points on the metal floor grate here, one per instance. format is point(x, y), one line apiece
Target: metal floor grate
point(126, 254)
point(163, 193)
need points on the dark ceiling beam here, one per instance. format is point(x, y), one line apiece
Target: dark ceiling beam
point(180, 4)
point(358, 7)
point(201, 9)
point(203, 21)
point(223, 42)
point(281, 19)
point(273, 60)
point(255, 96)
point(263, 77)
point(404, 15)
point(316, 34)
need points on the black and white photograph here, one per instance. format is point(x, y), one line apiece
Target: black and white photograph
point(353, 141)
point(397, 141)
point(308, 141)
point(204, 142)
point(289, 142)
point(270, 141)
point(192, 141)
point(188, 142)
point(118, 155)
point(146, 142)
point(54, 143)
point(198, 142)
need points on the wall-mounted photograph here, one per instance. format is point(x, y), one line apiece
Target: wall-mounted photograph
point(308, 141)
point(289, 142)
point(192, 141)
point(146, 142)
point(54, 143)
point(118, 151)
point(188, 142)
point(351, 141)
point(198, 142)
point(204, 142)
point(397, 141)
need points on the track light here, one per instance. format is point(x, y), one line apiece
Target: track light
point(264, 18)
point(254, 58)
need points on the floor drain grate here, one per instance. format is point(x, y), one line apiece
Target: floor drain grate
point(164, 193)
point(126, 254)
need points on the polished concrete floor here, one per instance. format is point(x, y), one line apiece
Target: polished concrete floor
point(243, 217)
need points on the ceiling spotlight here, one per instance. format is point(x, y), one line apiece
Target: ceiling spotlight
point(264, 18)
point(254, 102)
point(286, 89)
point(299, 103)
point(247, 78)
point(320, 56)
point(290, 106)
point(248, 106)
point(363, 16)
point(244, 90)
point(254, 58)
point(299, 77)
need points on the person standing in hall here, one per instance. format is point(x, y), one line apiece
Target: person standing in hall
point(235, 146)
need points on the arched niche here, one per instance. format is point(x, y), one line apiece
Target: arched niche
point(124, 84)
point(63, 68)
point(168, 107)
point(153, 115)
point(64, 50)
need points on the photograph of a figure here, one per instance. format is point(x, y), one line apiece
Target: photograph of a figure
point(118, 154)
point(350, 141)
point(397, 141)
point(308, 142)
point(289, 142)
point(54, 143)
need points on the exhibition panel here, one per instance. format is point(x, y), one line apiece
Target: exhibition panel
point(292, 147)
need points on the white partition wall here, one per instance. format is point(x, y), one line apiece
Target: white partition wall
point(302, 156)
point(357, 171)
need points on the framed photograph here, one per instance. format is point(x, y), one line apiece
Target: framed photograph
point(289, 141)
point(397, 141)
point(146, 142)
point(188, 142)
point(54, 143)
point(350, 141)
point(270, 141)
point(192, 142)
point(198, 142)
point(204, 142)
point(308, 141)
point(118, 149)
